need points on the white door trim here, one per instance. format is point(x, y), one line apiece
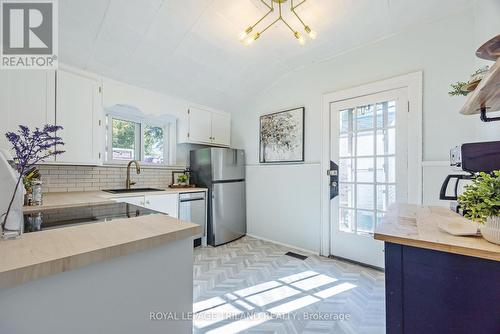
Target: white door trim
point(413, 83)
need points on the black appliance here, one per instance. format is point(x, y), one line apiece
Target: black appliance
point(46, 219)
point(471, 158)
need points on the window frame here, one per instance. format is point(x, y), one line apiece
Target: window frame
point(167, 123)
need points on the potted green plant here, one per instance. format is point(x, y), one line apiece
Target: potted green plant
point(183, 179)
point(481, 201)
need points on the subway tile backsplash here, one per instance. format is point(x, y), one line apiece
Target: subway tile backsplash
point(60, 178)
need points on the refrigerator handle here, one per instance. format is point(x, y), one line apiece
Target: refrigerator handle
point(235, 157)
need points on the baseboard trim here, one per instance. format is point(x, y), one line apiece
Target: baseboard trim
point(343, 259)
point(308, 251)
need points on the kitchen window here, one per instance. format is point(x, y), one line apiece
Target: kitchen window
point(138, 137)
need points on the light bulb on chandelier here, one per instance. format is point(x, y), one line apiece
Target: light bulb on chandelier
point(248, 40)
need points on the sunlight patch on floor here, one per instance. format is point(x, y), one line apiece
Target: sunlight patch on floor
point(215, 315)
point(241, 325)
point(238, 306)
point(257, 288)
point(313, 282)
point(297, 277)
point(208, 303)
point(272, 296)
point(294, 305)
point(334, 290)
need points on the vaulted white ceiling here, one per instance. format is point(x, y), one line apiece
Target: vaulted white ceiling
point(190, 48)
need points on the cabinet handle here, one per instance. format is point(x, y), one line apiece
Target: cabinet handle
point(148, 202)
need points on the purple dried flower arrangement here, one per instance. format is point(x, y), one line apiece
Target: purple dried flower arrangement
point(31, 147)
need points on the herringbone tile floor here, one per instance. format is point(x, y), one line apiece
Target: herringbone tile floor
point(251, 286)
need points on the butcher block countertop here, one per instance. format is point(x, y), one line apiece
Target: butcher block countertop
point(49, 252)
point(417, 226)
point(87, 198)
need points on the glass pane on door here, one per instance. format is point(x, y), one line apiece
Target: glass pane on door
point(367, 173)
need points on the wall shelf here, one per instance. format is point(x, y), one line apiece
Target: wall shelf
point(486, 97)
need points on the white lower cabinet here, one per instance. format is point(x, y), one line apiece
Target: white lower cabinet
point(137, 200)
point(165, 203)
point(168, 203)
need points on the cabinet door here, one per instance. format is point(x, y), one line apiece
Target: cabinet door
point(136, 200)
point(26, 98)
point(78, 113)
point(168, 204)
point(221, 129)
point(200, 125)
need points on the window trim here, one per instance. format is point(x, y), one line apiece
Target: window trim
point(132, 114)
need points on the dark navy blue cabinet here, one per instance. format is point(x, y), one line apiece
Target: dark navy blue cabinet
point(430, 291)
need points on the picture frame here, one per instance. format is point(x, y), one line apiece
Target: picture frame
point(176, 174)
point(282, 136)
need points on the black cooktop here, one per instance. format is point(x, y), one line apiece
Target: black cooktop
point(56, 218)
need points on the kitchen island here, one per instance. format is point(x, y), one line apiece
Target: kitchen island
point(437, 282)
point(104, 277)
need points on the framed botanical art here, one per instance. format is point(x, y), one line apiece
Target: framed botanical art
point(282, 136)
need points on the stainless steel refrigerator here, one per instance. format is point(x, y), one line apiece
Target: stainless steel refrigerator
point(222, 171)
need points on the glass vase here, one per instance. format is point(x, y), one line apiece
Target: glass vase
point(14, 227)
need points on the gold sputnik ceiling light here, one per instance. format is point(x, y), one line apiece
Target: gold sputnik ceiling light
point(247, 39)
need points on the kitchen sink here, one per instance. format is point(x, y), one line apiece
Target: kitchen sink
point(133, 190)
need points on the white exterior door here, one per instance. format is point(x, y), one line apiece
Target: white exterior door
point(369, 143)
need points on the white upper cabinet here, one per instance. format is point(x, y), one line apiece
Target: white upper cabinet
point(26, 98)
point(79, 112)
point(199, 125)
point(206, 127)
point(221, 128)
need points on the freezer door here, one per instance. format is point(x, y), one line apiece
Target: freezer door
point(227, 164)
point(228, 212)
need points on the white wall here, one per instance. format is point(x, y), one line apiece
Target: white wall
point(444, 51)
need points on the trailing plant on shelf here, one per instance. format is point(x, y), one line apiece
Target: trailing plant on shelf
point(462, 88)
point(457, 89)
point(31, 147)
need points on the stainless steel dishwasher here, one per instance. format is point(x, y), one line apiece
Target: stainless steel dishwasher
point(193, 208)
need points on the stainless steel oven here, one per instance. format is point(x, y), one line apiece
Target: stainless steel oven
point(193, 208)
